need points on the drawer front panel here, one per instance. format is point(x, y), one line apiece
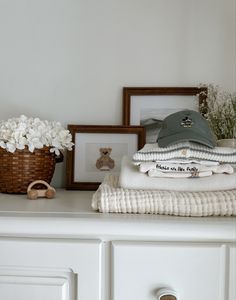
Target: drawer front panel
point(193, 271)
point(232, 272)
point(50, 269)
point(41, 284)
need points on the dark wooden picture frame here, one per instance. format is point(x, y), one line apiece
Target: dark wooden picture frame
point(162, 93)
point(87, 157)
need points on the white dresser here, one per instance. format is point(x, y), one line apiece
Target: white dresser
point(60, 249)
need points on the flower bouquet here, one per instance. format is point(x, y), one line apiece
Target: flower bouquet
point(219, 108)
point(29, 150)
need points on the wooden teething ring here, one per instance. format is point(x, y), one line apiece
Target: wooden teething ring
point(34, 194)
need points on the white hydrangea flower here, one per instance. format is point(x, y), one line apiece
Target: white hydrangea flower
point(22, 132)
point(10, 147)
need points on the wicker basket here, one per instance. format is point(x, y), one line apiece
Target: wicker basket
point(19, 169)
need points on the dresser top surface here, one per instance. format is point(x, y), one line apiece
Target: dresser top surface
point(73, 210)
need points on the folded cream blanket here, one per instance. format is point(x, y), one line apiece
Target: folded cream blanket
point(110, 198)
point(131, 178)
point(186, 150)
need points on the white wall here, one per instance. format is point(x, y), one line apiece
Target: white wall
point(69, 59)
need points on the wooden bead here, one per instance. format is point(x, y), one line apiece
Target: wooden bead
point(50, 193)
point(32, 194)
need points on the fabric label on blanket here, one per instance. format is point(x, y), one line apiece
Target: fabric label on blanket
point(185, 168)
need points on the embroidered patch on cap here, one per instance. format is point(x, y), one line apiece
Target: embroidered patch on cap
point(187, 122)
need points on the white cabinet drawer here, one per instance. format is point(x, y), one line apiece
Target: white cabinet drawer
point(232, 272)
point(195, 271)
point(35, 269)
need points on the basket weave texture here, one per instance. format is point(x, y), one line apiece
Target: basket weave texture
point(19, 169)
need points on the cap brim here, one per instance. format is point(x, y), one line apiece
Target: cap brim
point(185, 137)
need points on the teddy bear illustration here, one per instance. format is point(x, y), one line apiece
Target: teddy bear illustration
point(105, 162)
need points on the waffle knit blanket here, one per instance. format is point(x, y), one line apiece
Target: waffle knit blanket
point(110, 198)
point(186, 150)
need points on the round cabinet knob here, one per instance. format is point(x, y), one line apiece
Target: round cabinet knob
point(167, 294)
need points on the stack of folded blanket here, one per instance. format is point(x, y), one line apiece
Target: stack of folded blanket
point(183, 160)
point(185, 178)
point(132, 178)
point(136, 192)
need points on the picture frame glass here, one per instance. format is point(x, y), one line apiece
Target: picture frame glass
point(150, 110)
point(90, 163)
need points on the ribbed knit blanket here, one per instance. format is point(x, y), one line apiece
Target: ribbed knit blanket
point(186, 150)
point(110, 198)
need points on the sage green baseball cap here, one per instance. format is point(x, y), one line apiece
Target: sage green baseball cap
point(186, 125)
